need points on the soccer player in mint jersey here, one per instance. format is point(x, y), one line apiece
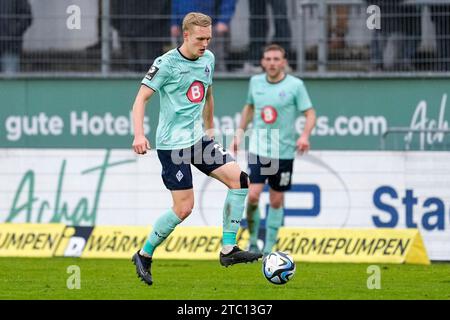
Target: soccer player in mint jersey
point(274, 100)
point(183, 79)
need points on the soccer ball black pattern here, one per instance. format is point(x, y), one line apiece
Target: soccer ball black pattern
point(278, 267)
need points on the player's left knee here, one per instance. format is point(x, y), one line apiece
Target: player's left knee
point(244, 179)
point(276, 204)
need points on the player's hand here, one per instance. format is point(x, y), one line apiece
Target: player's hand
point(234, 145)
point(303, 144)
point(141, 145)
point(210, 133)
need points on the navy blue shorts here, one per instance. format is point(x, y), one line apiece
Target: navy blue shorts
point(206, 155)
point(277, 171)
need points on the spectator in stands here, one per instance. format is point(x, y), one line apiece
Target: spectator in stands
point(259, 28)
point(143, 27)
point(403, 20)
point(337, 26)
point(440, 14)
point(389, 25)
point(221, 12)
point(15, 18)
point(410, 29)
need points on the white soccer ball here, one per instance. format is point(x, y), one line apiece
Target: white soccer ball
point(278, 267)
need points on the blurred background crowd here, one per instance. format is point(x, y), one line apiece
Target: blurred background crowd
point(322, 36)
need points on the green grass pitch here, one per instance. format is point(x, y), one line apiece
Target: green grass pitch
point(36, 278)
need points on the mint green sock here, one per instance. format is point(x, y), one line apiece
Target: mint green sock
point(274, 221)
point(161, 230)
point(232, 215)
point(253, 218)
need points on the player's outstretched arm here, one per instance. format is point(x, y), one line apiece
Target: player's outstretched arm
point(246, 117)
point(303, 142)
point(140, 142)
point(208, 113)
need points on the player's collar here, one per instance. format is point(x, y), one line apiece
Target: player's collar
point(178, 49)
point(270, 82)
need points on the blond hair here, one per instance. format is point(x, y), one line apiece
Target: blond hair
point(275, 47)
point(196, 19)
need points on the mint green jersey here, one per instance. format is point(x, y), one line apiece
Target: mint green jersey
point(182, 84)
point(276, 108)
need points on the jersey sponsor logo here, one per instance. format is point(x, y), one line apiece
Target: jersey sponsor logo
point(196, 92)
point(151, 73)
point(269, 114)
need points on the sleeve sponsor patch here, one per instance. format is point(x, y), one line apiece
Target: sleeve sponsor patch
point(151, 73)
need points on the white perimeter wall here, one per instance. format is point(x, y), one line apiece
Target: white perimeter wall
point(131, 192)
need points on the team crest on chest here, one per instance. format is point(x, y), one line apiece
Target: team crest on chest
point(207, 71)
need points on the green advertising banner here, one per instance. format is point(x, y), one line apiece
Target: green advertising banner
point(96, 113)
